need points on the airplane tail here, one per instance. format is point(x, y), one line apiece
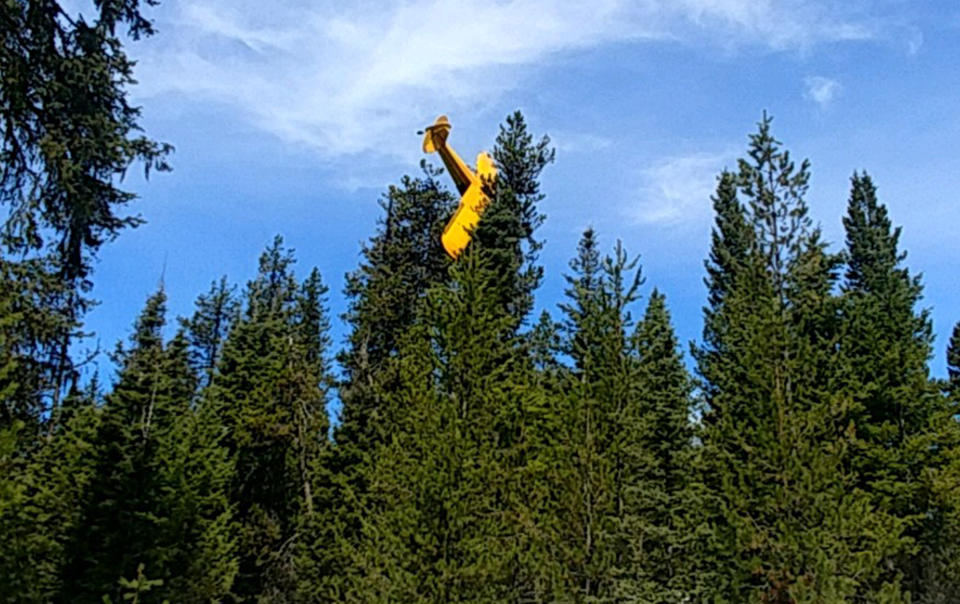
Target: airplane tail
point(435, 136)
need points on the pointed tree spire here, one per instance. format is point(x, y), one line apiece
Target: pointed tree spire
point(772, 438)
point(508, 228)
point(953, 359)
point(271, 392)
point(207, 329)
point(872, 242)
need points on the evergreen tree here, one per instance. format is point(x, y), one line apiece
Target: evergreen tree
point(451, 496)
point(68, 130)
point(732, 242)
point(888, 343)
point(658, 500)
point(401, 262)
point(196, 543)
point(116, 530)
point(41, 315)
point(271, 392)
point(788, 522)
point(157, 494)
point(508, 228)
point(42, 499)
point(600, 469)
point(953, 361)
point(208, 327)
point(67, 134)
point(939, 561)
point(386, 294)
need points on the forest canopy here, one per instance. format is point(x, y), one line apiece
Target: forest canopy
point(805, 453)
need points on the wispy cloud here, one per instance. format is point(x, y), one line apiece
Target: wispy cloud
point(345, 78)
point(821, 90)
point(677, 189)
point(578, 142)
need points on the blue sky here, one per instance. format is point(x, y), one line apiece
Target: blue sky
point(294, 118)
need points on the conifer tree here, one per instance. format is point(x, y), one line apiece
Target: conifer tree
point(208, 327)
point(388, 292)
point(939, 560)
point(42, 313)
point(196, 541)
point(600, 471)
point(400, 263)
point(732, 242)
point(775, 443)
point(116, 532)
point(42, 498)
point(271, 394)
point(508, 228)
point(953, 361)
point(67, 134)
point(658, 500)
point(64, 140)
point(402, 260)
point(888, 343)
point(157, 494)
point(450, 501)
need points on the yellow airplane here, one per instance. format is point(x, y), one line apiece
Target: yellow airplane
point(473, 200)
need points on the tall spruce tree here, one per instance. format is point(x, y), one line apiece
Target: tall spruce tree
point(42, 498)
point(788, 522)
point(953, 361)
point(940, 557)
point(207, 329)
point(157, 495)
point(271, 393)
point(888, 342)
point(67, 135)
point(401, 262)
point(116, 533)
point(658, 503)
point(449, 507)
point(598, 468)
point(509, 225)
point(388, 293)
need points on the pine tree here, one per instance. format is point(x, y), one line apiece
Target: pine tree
point(41, 315)
point(401, 262)
point(450, 501)
point(888, 342)
point(775, 444)
point(69, 130)
point(116, 531)
point(208, 327)
point(940, 558)
point(196, 542)
point(599, 468)
point(386, 294)
point(508, 228)
point(67, 136)
point(270, 392)
point(732, 242)
point(157, 494)
point(42, 498)
point(953, 361)
point(658, 502)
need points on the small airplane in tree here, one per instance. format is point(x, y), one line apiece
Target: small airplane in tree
point(472, 186)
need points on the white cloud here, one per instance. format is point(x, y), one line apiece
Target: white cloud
point(345, 78)
point(578, 142)
point(914, 40)
point(821, 90)
point(677, 190)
